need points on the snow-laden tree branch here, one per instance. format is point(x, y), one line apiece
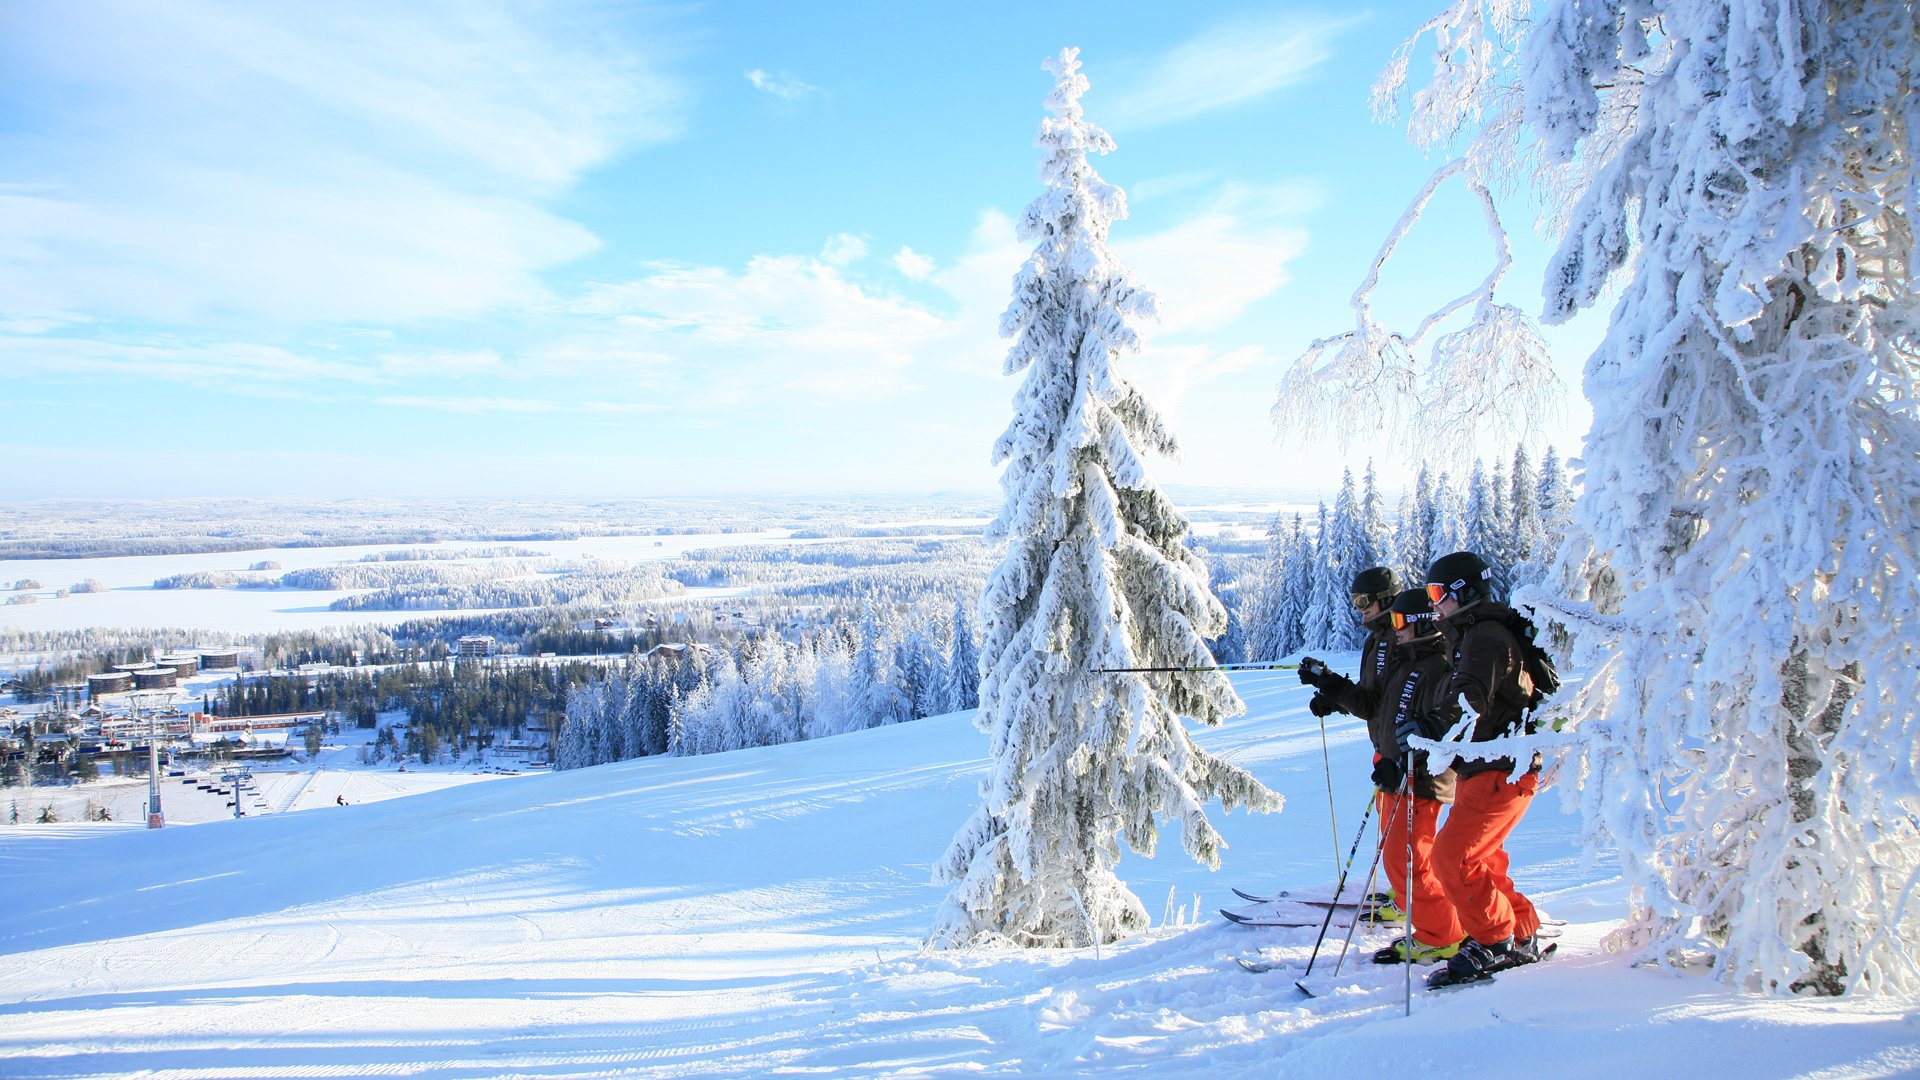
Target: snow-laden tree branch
point(1493, 366)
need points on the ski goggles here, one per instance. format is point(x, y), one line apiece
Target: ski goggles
point(1402, 620)
point(1362, 601)
point(1437, 592)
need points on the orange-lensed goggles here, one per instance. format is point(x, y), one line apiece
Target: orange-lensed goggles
point(1402, 620)
point(1436, 592)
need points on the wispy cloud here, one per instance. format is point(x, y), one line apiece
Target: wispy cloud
point(478, 406)
point(353, 161)
point(789, 90)
point(843, 249)
point(912, 264)
point(224, 364)
point(1227, 64)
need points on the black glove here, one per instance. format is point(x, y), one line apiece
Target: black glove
point(1312, 671)
point(1387, 774)
point(1404, 731)
point(1322, 704)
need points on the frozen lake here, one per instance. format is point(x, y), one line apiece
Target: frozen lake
point(132, 602)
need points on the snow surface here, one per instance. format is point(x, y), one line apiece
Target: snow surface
point(760, 913)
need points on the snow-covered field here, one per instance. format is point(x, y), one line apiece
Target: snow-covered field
point(760, 913)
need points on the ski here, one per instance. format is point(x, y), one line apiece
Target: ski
point(1290, 912)
point(1271, 920)
point(1312, 896)
point(1445, 979)
point(1282, 917)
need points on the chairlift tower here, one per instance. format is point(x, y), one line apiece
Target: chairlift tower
point(236, 777)
point(148, 703)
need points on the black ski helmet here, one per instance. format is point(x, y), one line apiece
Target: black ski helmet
point(1411, 608)
point(1376, 584)
point(1463, 575)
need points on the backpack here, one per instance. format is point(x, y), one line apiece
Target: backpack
point(1534, 659)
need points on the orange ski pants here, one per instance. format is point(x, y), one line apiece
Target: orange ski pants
point(1470, 856)
point(1434, 922)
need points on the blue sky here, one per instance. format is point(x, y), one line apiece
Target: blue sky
point(615, 249)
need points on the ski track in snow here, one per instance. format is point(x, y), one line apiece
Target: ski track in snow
point(760, 913)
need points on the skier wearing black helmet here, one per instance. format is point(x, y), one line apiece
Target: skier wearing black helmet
point(1415, 699)
point(1373, 591)
point(1489, 677)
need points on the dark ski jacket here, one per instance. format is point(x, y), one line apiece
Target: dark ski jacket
point(1418, 685)
point(1361, 697)
point(1489, 676)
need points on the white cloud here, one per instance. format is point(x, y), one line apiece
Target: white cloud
point(473, 405)
point(1160, 187)
point(1210, 269)
point(442, 364)
point(1227, 64)
point(225, 364)
point(912, 264)
point(788, 89)
point(353, 161)
point(771, 353)
point(843, 249)
point(787, 331)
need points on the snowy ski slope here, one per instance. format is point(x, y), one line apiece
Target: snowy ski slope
point(760, 913)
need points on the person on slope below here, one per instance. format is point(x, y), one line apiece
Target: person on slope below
point(1372, 591)
point(1469, 855)
point(1415, 699)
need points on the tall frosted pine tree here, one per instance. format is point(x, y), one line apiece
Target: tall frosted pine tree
point(1094, 576)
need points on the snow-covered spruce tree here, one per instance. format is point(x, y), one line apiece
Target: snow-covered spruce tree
point(1523, 509)
point(961, 690)
point(1326, 622)
point(1260, 594)
point(1094, 576)
point(1486, 531)
point(1743, 546)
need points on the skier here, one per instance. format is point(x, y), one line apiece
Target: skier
point(1415, 698)
point(1372, 592)
point(1469, 855)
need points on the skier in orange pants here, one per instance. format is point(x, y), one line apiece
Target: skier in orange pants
point(1490, 797)
point(1413, 693)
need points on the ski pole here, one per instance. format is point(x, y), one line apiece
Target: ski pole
point(1333, 820)
point(1340, 887)
point(1373, 869)
point(1261, 666)
point(1346, 943)
point(1407, 794)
